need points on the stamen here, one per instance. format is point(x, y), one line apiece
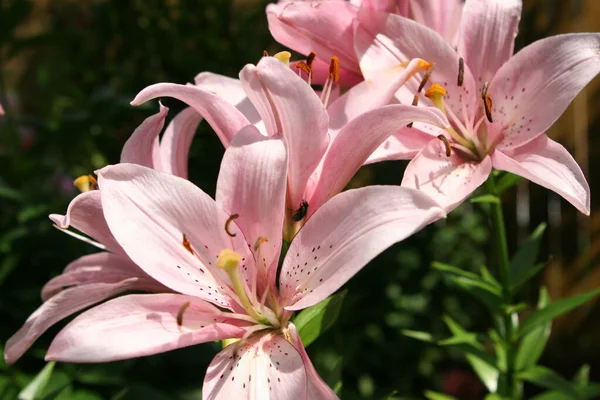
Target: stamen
point(229, 220)
point(426, 77)
point(300, 213)
point(334, 69)
point(446, 144)
point(415, 102)
point(310, 59)
point(85, 183)
point(229, 260)
point(182, 309)
point(461, 71)
point(487, 101)
point(259, 241)
point(265, 53)
point(284, 57)
point(186, 243)
point(302, 66)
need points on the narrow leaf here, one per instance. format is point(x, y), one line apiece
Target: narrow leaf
point(313, 321)
point(507, 181)
point(453, 270)
point(532, 345)
point(422, 336)
point(547, 378)
point(35, 388)
point(486, 198)
point(527, 255)
point(430, 395)
point(555, 310)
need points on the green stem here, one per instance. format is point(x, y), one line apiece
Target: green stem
point(509, 385)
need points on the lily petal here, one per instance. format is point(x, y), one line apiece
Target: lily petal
point(324, 27)
point(139, 325)
point(85, 214)
point(230, 90)
point(370, 94)
point(58, 307)
point(264, 367)
point(383, 40)
point(149, 213)
point(487, 35)
point(101, 267)
point(550, 165)
point(252, 185)
point(358, 140)
point(535, 86)
point(449, 180)
point(345, 234)
point(403, 145)
point(142, 147)
point(296, 113)
point(317, 389)
point(223, 117)
point(176, 142)
point(443, 16)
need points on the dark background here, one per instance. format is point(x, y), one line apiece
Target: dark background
point(68, 70)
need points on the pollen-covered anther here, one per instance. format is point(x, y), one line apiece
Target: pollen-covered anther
point(461, 72)
point(85, 183)
point(259, 241)
point(446, 145)
point(311, 59)
point(334, 69)
point(181, 311)
point(229, 220)
point(428, 67)
point(186, 243)
point(436, 94)
point(415, 102)
point(284, 57)
point(487, 101)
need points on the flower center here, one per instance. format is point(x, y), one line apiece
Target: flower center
point(466, 137)
point(229, 261)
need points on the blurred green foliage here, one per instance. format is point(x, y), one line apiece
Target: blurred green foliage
point(68, 71)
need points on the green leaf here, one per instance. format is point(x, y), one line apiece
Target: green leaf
point(486, 198)
point(507, 181)
point(527, 275)
point(582, 376)
point(551, 395)
point(422, 336)
point(555, 310)
point(487, 293)
point(532, 345)
point(484, 364)
point(527, 256)
point(547, 378)
point(430, 395)
point(313, 321)
point(453, 270)
point(37, 385)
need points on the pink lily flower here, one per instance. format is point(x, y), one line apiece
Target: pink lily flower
point(225, 252)
point(499, 105)
point(326, 146)
point(327, 27)
point(94, 278)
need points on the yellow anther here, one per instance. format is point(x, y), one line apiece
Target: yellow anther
point(228, 260)
point(259, 241)
point(436, 94)
point(284, 57)
point(85, 183)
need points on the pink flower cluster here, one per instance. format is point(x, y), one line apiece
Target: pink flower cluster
point(431, 81)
